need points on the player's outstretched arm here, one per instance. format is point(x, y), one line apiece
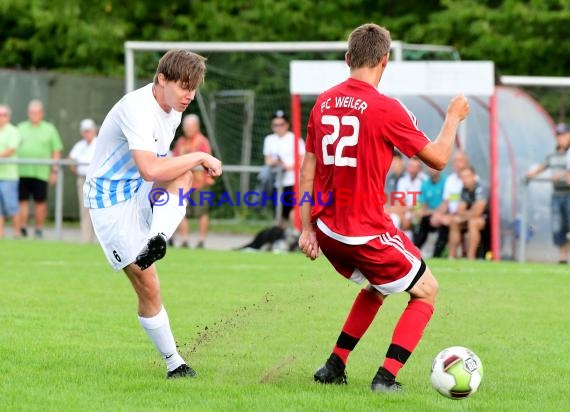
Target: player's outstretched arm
point(165, 169)
point(308, 239)
point(436, 154)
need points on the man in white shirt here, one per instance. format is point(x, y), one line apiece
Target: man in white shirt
point(137, 195)
point(82, 152)
point(410, 186)
point(279, 151)
point(451, 196)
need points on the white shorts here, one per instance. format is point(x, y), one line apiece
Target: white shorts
point(123, 229)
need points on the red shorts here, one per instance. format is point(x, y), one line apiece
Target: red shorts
point(391, 263)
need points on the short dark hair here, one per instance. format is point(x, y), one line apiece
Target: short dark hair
point(178, 65)
point(280, 114)
point(561, 128)
point(367, 45)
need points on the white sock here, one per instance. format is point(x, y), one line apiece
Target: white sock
point(167, 217)
point(158, 329)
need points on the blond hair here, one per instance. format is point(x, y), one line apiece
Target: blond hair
point(182, 66)
point(367, 45)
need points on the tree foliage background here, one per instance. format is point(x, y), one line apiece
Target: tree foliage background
point(527, 37)
point(86, 36)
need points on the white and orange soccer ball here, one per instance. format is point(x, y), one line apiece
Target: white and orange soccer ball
point(456, 372)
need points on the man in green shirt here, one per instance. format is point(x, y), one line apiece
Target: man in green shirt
point(9, 141)
point(40, 140)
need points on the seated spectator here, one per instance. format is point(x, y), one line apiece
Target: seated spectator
point(471, 216)
point(430, 200)
point(451, 196)
point(397, 170)
point(410, 185)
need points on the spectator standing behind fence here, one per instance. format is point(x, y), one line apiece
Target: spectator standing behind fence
point(561, 189)
point(278, 151)
point(192, 140)
point(40, 140)
point(471, 216)
point(9, 141)
point(568, 166)
point(430, 200)
point(82, 152)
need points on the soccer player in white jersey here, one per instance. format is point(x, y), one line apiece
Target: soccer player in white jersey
point(132, 189)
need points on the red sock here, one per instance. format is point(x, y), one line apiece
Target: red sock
point(407, 334)
point(363, 312)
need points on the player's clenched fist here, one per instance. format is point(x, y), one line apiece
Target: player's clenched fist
point(458, 107)
point(212, 165)
point(308, 244)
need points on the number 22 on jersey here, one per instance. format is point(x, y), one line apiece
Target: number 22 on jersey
point(349, 140)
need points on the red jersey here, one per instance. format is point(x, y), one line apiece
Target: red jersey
point(352, 131)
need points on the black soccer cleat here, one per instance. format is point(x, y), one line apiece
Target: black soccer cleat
point(384, 384)
point(181, 372)
point(154, 250)
point(332, 371)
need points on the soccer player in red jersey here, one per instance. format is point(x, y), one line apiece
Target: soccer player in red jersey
point(351, 135)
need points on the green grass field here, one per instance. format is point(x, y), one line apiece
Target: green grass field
point(256, 326)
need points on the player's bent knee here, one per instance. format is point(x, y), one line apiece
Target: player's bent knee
point(476, 224)
point(375, 292)
point(181, 183)
point(150, 288)
point(146, 285)
point(426, 288)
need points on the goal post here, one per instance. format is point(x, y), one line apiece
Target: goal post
point(397, 50)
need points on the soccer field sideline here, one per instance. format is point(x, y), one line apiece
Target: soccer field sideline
point(229, 235)
point(256, 326)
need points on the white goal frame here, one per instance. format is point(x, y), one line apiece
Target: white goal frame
point(397, 50)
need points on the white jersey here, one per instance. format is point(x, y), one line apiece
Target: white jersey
point(82, 152)
point(412, 187)
point(283, 148)
point(452, 192)
point(136, 122)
